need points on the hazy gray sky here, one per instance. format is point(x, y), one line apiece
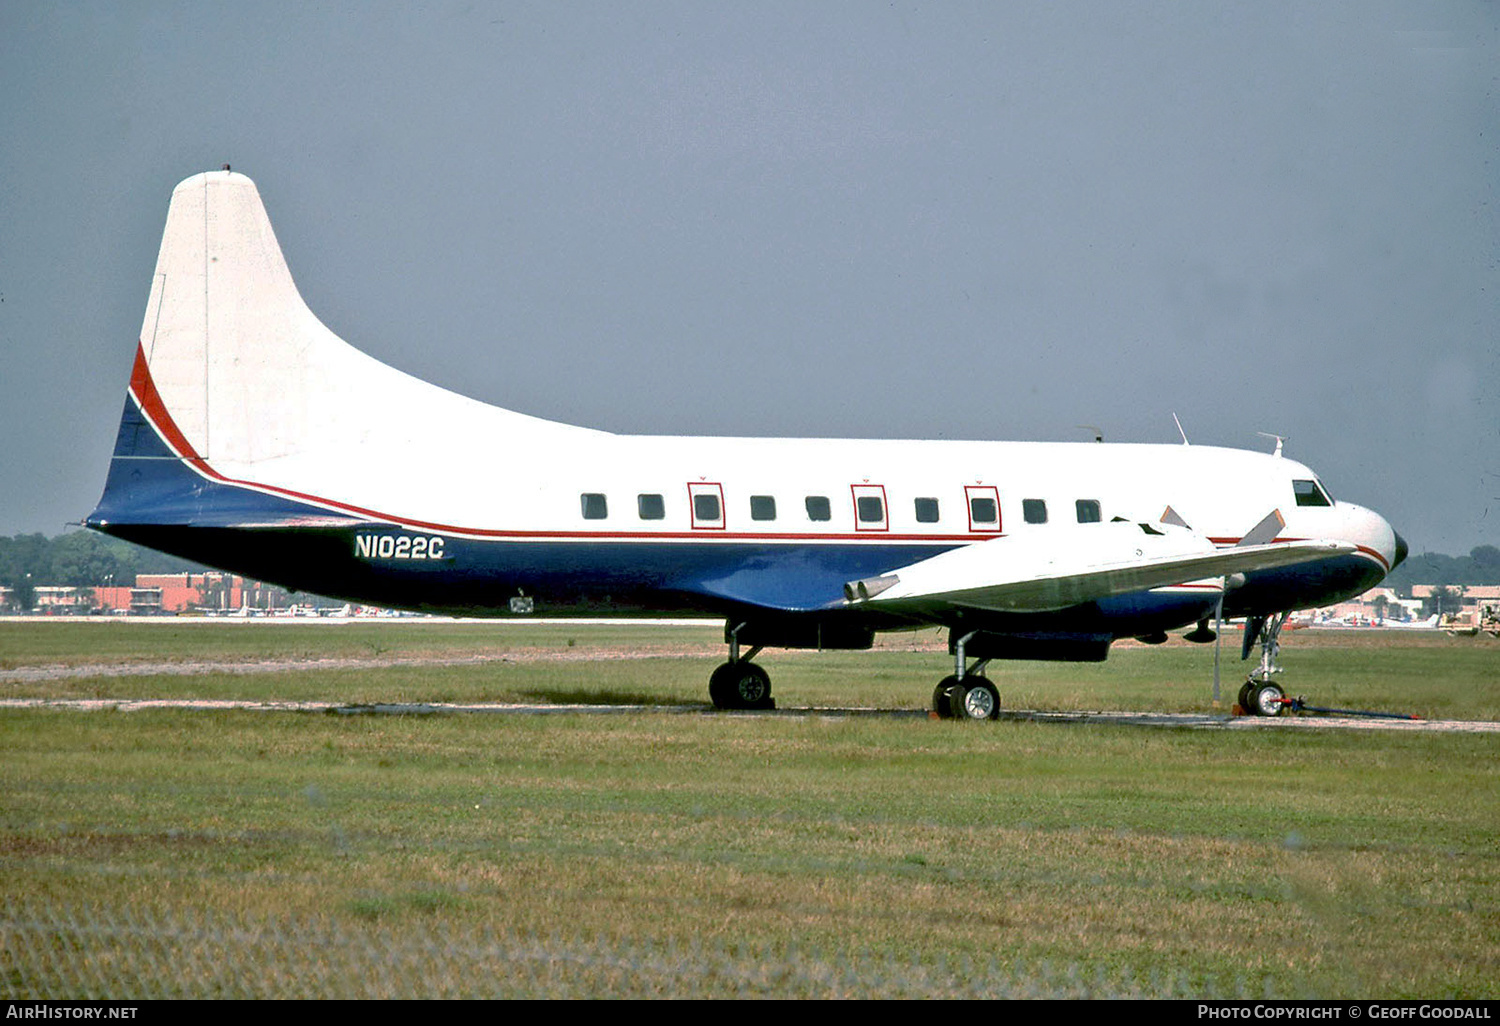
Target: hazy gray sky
point(990, 220)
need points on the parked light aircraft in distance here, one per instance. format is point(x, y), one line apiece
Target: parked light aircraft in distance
point(256, 440)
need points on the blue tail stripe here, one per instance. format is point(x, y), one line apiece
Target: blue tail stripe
point(137, 437)
point(149, 484)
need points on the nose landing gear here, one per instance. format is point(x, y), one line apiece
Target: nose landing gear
point(1259, 696)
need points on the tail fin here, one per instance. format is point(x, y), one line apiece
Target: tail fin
point(227, 341)
point(238, 386)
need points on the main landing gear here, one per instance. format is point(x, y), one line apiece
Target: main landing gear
point(966, 695)
point(1259, 696)
point(739, 683)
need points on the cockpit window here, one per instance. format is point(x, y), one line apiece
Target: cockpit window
point(1310, 493)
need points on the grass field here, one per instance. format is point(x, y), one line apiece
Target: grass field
point(239, 853)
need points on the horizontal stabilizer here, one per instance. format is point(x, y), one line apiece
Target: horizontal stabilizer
point(1073, 566)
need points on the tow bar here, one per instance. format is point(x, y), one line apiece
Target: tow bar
point(1299, 704)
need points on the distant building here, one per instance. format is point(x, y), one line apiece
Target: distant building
point(62, 599)
point(188, 592)
point(1469, 599)
point(113, 598)
point(154, 593)
point(1466, 601)
point(1471, 594)
point(1377, 604)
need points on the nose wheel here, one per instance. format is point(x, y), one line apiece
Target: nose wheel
point(1263, 699)
point(1258, 696)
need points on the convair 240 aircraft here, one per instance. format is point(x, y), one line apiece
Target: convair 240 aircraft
point(256, 440)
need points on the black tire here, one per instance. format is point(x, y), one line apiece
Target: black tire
point(946, 698)
point(719, 691)
point(1268, 700)
point(740, 685)
point(1245, 690)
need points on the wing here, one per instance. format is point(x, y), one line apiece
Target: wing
point(1067, 566)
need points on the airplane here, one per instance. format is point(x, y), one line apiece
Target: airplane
point(256, 440)
point(1412, 625)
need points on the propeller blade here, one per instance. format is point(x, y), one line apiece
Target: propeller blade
point(1171, 516)
point(1265, 531)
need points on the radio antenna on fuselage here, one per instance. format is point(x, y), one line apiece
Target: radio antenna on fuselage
point(1179, 429)
point(1280, 440)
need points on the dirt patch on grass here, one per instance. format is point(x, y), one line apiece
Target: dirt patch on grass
point(198, 668)
point(93, 843)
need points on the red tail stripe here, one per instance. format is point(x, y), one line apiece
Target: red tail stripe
point(156, 411)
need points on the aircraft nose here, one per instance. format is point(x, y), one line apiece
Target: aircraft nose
point(1373, 533)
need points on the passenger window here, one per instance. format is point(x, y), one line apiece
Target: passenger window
point(762, 507)
point(1310, 493)
point(707, 502)
point(869, 507)
point(651, 507)
point(705, 507)
point(927, 511)
point(984, 507)
point(1088, 511)
point(1034, 510)
point(818, 508)
point(594, 506)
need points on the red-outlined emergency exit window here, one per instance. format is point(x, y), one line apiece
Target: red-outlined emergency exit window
point(983, 502)
point(706, 501)
point(869, 508)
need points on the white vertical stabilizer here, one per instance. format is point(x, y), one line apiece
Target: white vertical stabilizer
point(262, 390)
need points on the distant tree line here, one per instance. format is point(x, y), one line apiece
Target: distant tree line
point(1480, 566)
point(78, 559)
